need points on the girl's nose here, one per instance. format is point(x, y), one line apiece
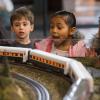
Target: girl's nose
point(55, 34)
point(54, 30)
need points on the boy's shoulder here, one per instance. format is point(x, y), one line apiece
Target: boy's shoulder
point(5, 42)
point(17, 44)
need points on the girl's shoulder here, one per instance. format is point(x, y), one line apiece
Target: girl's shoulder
point(80, 44)
point(43, 44)
point(78, 50)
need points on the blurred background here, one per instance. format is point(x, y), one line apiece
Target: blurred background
point(87, 13)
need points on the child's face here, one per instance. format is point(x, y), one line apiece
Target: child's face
point(22, 28)
point(59, 30)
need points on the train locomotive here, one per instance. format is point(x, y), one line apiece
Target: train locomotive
point(82, 80)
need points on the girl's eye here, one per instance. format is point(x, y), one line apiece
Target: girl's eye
point(59, 27)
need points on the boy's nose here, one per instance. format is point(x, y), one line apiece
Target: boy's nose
point(21, 26)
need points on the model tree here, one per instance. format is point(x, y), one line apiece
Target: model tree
point(8, 87)
point(96, 42)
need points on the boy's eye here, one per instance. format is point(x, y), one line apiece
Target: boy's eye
point(25, 24)
point(16, 25)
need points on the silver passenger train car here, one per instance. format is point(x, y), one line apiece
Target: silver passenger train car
point(14, 52)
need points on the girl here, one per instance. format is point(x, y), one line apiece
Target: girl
point(61, 42)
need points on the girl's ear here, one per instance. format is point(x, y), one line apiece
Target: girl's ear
point(73, 30)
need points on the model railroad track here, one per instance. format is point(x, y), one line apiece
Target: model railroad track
point(82, 81)
point(41, 90)
point(60, 74)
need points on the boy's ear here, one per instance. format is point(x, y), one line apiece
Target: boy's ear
point(73, 30)
point(32, 27)
point(12, 29)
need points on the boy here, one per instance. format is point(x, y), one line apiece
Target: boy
point(22, 24)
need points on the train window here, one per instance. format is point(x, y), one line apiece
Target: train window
point(59, 65)
point(50, 62)
point(54, 63)
point(42, 59)
point(37, 58)
point(47, 61)
point(1, 53)
point(21, 54)
point(5, 53)
point(62, 65)
point(16, 54)
point(33, 57)
point(13, 54)
point(9, 54)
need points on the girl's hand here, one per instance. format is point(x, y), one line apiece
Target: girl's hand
point(91, 52)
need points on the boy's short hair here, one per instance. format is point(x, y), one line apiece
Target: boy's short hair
point(70, 17)
point(22, 12)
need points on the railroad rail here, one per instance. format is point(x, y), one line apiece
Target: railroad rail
point(41, 91)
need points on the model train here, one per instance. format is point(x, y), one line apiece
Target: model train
point(29, 55)
point(70, 66)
